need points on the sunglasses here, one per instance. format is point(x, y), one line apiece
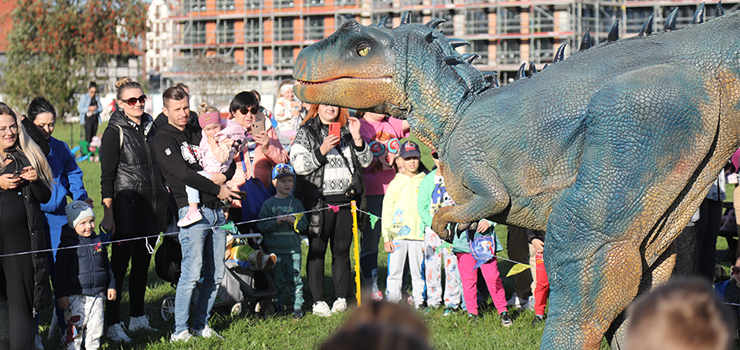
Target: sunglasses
point(132, 101)
point(252, 110)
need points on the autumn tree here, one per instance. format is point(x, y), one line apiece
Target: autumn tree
point(55, 46)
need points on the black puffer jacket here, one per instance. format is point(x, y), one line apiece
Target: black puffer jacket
point(34, 194)
point(82, 270)
point(133, 180)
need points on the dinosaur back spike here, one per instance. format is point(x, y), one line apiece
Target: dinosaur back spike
point(532, 69)
point(491, 78)
point(586, 41)
point(452, 59)
point(429, 38)
point(560, 54)
point(381, 24)
point(406, 18)
point(545, 66)
point(521, 74)
point(435, 22)
point(455, 42)
point(614, 32)
point(719, 11)
point(670, 22)
point(699, 15)
point(470, 57)
point(647, 28)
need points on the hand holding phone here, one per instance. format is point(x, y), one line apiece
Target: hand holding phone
point(335, 129)
point(258, 127)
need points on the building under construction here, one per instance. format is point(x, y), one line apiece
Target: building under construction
point(222, 45)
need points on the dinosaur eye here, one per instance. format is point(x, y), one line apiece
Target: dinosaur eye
point(363, 49)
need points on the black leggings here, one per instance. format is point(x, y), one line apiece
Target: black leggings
point(336, 230)
point(91, 127)
point(707, 228)
point(121, 253)
point(16, 282)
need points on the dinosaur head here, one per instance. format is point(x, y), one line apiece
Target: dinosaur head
point(351, 68)
point(411, 71)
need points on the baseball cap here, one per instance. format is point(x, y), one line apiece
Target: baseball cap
point(281, 170)
point(410, 149)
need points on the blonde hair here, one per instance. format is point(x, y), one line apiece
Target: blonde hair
point(206, 108)
point(29, 149)
point(124, 84)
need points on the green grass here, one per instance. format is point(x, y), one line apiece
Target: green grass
point(249, 332)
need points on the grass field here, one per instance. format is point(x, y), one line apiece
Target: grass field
point(249, 332)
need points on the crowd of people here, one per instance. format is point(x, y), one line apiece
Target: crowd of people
point(289, 175)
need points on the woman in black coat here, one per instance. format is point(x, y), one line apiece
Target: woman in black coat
point(24, 184)
point(134, 202)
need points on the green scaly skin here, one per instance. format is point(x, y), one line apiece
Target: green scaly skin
point(610, 151)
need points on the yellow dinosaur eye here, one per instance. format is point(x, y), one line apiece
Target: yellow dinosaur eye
point(363, 50)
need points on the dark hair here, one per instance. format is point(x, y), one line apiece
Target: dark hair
point(6, 110)
point(243, 100)
point(182, 85)
point(124, 84)
point(174, 93)
point(92, 85)
point(40, 105)
point(257, 95)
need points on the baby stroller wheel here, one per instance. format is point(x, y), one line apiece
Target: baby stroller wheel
point(168, 308)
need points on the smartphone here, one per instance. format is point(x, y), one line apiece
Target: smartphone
point(17, 174)
point(334, 129)
point(258, 126)
point(242, 195)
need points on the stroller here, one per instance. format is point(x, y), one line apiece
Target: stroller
point(239, 285)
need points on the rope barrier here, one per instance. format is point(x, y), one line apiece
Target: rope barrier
point(157, 235)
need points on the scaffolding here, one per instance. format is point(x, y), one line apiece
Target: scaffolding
point(259, 39)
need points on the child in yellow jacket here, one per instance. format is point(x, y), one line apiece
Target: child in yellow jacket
point(401, 234)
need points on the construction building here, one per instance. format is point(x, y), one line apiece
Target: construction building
point(225, 45)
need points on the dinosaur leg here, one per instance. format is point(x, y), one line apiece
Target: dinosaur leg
point(625, 186)
point(478, 194)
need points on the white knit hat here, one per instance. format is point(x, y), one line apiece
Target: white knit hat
point(76, 211)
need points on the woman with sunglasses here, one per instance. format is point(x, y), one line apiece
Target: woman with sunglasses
point(134, 201)
point(254, 164)
point(25, 180)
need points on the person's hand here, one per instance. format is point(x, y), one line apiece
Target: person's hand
point(225, 193)
point(389, 247)
point(262, 139)
point(330, 142)
point(63, 302)
point(218, 178)
point(111, 294)
point(227, 141)
point(483, 226)
point(108, 224)
point(89, 202)
point(539, 246)
point(289, 219)
point(29, 174)
point(9, 182)
point(92, 108)
point(354, 128)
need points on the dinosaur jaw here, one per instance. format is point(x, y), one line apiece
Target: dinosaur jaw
point(356, 93)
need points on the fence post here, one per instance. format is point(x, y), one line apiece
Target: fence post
point(356, 239)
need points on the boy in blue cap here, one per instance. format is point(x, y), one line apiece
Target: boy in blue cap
point(282, 237)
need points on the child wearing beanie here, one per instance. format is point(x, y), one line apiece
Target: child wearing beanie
point(222, 140)
point(83, 278)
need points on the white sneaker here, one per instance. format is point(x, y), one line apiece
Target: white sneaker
point(183, 336)
point(208, 332)
point(39, 345)
point(117, 334)
point(529, 305)
point(340, 305)
point(140, 322)
point(268, 261)
point(190, 219)
point(320, 308)
point(516, 302)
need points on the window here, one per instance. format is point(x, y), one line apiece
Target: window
point(225, 31)
point(284, 28)
point(252, 58)
point(225, 53)
point(156, 12)
point(121, 62)
point(195, 33)
point(509, 52)
point(251, 30)
point(224, 5)
point(345, 2)
point(447, 28)
point(480, 47)
point(253, 4)
point(194, 5)
point(284, 58)
point(542, 50)
point(476, 22)
point(511, 22)
point(314, 28)
point(378, 4)
point(310, 3)
point(284, 3)
point(543, 21)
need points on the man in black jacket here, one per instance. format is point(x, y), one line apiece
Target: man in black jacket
point(203, 243)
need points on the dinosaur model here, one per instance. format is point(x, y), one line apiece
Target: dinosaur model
point(610, 151)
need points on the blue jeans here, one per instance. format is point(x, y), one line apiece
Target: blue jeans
point(203, 248)
point(369, 244)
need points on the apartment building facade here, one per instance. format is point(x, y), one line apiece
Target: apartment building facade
point(253, 43)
